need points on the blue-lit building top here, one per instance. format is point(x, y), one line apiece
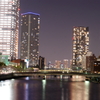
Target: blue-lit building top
point(30, 25)
point(30, 13)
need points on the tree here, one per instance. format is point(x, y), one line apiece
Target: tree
point(2, 64)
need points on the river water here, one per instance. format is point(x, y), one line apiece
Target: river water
point(56, 88)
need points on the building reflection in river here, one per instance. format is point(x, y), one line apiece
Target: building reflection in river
point(79, 91)
point(7, 90)
point(46, 89)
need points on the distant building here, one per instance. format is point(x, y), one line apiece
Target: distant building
point(65, 63)
point(84, 59)
point(30, 25)
point(80, 44)
point(58, 64)
point(70, 63)
point(90, 62)
point(49, 64)
point(96, 67)
point(41, 62)
point(9, 28)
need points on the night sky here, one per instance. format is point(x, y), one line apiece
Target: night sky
point(58, 17)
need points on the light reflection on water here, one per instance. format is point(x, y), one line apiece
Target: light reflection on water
point(5, 89)
point(44, 86)
point(49, 89)
point(26, 91)
point(79, 91)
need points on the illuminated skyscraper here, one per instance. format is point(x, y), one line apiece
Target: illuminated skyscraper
point(80, 44)
point(9, 27)
point(30, 25)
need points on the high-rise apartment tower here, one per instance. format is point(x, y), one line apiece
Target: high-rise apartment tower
point(9, 28)
point(80, 44)
point(30, 25)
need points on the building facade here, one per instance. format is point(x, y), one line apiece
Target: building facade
point(96, 67)
point(9, 28)
point(84, 59)
point(41, 62)
point(58, 64)
point(80, 44)
point(90, 62)
point(70, 63)
point(65, 63)
point(30, 25)
point(4, 59)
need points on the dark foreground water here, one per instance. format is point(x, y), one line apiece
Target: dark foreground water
point(49, 89)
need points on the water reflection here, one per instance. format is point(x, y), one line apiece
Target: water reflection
point(86, 90)
point(44, 86)
point(46, 89)
point(79, 91)
point(94, 91)
point(62, 95)
point(26, 91)
point(7, 90)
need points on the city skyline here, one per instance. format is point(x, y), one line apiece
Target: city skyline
point(57, 21)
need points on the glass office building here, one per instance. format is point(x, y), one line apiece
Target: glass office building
point(9, 28)
point(30, 25)
point(80, 44)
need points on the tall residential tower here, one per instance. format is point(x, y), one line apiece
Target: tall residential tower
point(30, 25)
point(9, 28)
point(80, 44)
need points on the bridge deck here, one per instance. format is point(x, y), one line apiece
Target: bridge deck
point(54, 73)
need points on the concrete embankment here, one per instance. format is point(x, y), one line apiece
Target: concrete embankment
point(8, 76)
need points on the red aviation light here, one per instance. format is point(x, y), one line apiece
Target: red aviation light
point(72, 38)
point(19, 9)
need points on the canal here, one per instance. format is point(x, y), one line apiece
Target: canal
point(51, 88)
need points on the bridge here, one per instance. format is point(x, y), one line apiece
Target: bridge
point(54, 73)
point(44, 73)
